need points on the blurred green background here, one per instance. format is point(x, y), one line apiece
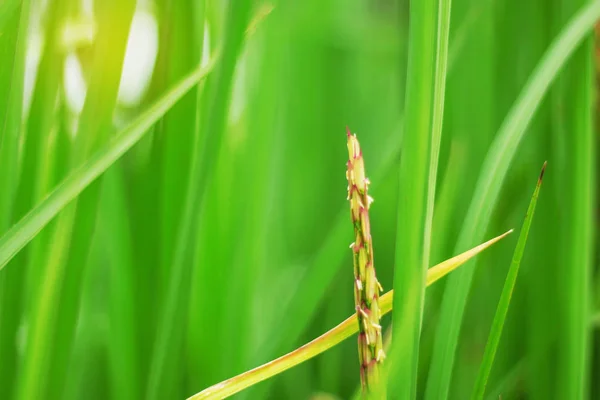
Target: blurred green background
point(220, 240)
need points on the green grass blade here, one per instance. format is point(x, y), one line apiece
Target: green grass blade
point(54, 314)
point(502, 310)
point(579, 129)
point(13, 34)
point(36, 152)
point(428, 57)
point(439, 94)
point(123, 346)
point(40, 152)
point(23, 231)
point(9, 29)
point(174, 136)
point(488, 188)
point(169, 341)
point(10, 131)
point(332, 337)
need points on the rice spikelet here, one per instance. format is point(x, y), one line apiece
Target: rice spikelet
point(366, 286)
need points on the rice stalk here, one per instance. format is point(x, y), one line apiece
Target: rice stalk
point(366, 285)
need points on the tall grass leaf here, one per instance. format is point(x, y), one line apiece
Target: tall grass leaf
point(23, 231)
point(331, 338)
point(55, 307)
point(428, 58)
point(36, 153)
point(174, 136)
point(169, 341)
point(123, 346)
point(10, 131)
point(579, 132)
point(502, 310)
point(195, 339)
point(13, 40)
point(494, 171)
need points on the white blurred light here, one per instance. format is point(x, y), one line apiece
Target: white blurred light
point(75, 87)
point(140, 56)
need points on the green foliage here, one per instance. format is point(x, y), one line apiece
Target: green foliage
point(156, 248)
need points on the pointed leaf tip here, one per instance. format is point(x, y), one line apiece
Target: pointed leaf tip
point(542, 172)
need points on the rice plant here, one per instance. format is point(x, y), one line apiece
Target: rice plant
point(173, 220)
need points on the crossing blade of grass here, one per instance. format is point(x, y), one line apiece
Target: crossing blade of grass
point(331, 338)
point(23, 231)
point(488, 187)
point(502, 310)
point(428, 56)
point(166, 355)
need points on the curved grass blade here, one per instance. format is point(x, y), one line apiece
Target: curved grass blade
point(23, 231)
point(490, 181)
point(331, 338)
point(509, 285)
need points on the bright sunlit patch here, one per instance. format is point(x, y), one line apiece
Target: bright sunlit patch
point(75, 86)
point(239, 92)
point(206, 46)
point(78, 32)
point(140, 56)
